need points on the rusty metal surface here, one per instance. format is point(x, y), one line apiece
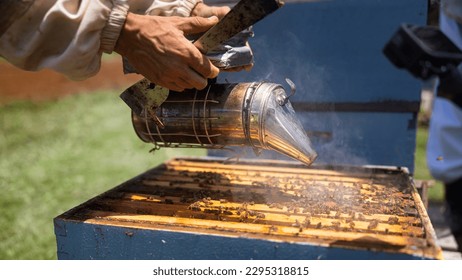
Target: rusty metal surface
point(373, 208)
point(244, 14)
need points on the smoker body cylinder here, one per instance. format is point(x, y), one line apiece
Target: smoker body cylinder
point(211, 118)
point(244, 114)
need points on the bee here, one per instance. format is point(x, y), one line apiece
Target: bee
point(195, 206)
point(337, 214)
point(296, 224)
point(373, 224)
point(307, 222)
point(276, 205)
point(393, 220)
point(336, 225)
point(243, 216)
point(352, 214)
point(212, 211)
point(260, 215)
point(272, 229)
point(351, 224)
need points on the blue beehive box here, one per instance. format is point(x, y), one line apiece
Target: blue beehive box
point(203, 208)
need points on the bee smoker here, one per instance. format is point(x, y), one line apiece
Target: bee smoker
point(257, 114)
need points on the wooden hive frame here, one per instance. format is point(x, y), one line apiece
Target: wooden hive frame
point(357, 209)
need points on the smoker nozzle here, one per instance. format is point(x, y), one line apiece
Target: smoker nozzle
point(223, 115)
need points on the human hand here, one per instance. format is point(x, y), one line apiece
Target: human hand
point(158, 49)
point(203, 10)
point(247, 68)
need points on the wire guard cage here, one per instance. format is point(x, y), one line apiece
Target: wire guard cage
point(199, 120)
point(191, 119)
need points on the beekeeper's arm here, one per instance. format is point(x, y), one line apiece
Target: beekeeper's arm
point(70, 36)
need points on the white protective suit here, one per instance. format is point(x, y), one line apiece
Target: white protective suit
point(69, 36)
point(444, 149)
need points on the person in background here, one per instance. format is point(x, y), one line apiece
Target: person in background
point(70, 36)
point(444, 148)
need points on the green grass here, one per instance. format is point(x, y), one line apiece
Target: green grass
point(436, 192)
point(57, 155)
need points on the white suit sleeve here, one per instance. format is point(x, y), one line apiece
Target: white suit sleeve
point(69, 36)
point(181, 8)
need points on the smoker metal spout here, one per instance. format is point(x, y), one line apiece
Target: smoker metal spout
point(277, 126)
point(285, 134)
point(224, 115)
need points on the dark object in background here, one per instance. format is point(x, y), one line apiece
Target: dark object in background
point(423, 51)
point(453, 211)
point(427, 52)
point(433, 16)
